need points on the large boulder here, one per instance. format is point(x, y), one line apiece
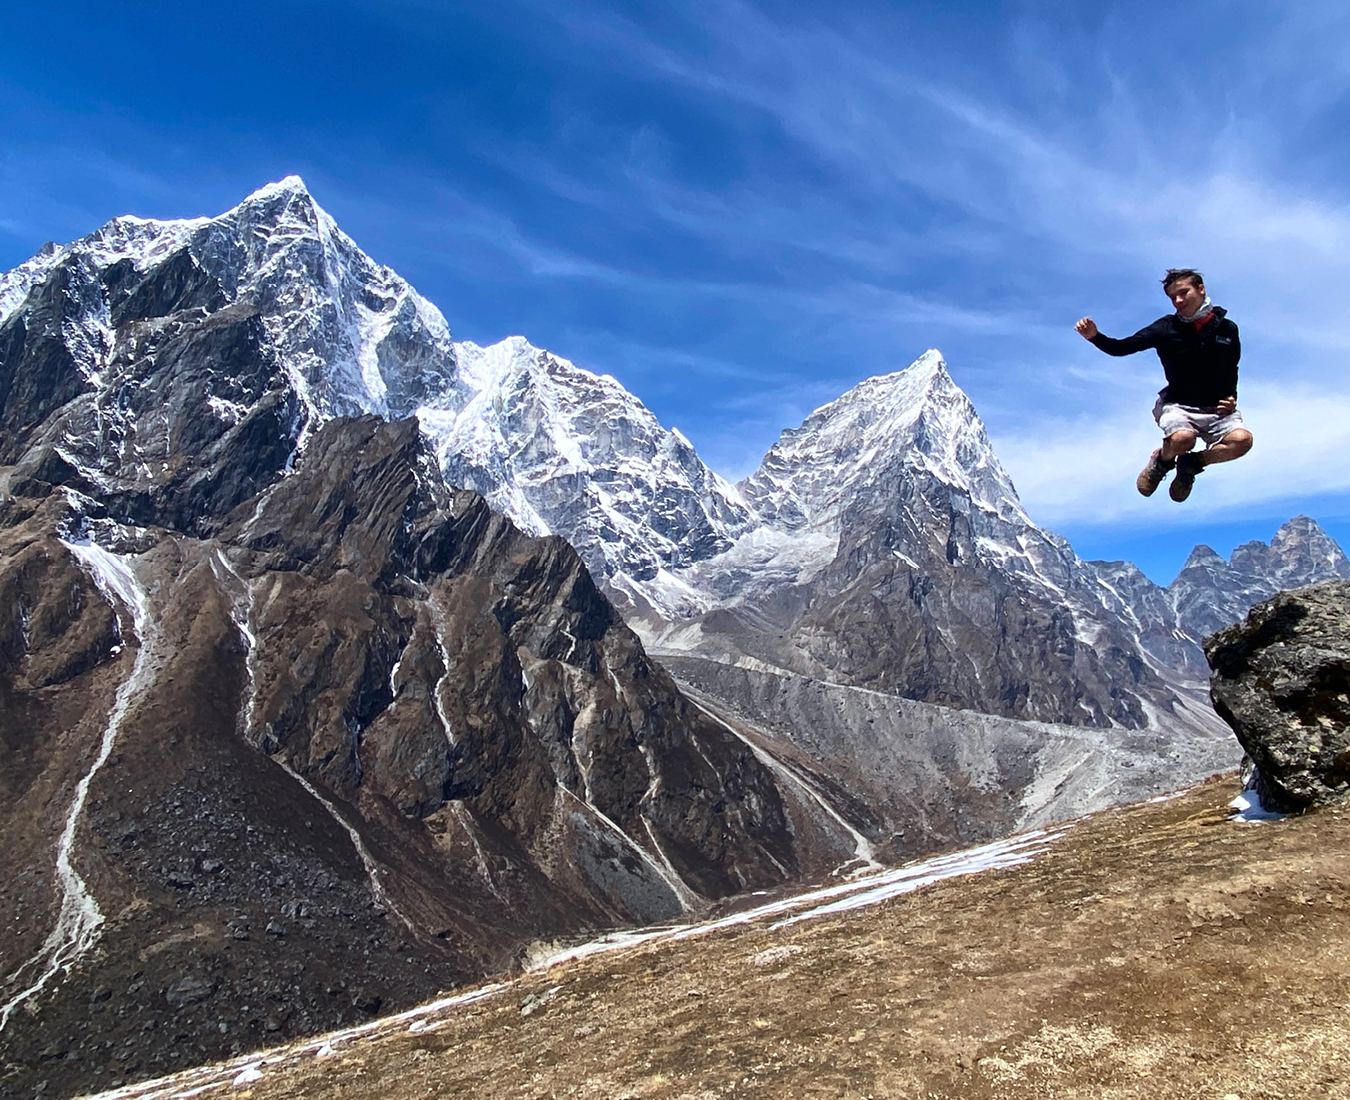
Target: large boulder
point(1281, 679)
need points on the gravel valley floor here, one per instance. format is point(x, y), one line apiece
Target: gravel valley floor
point(1155, 951)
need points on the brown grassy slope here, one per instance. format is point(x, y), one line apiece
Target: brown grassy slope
point(1155, 951)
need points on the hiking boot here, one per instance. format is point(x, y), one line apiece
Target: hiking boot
point(1151, 476)
point(1188, 465)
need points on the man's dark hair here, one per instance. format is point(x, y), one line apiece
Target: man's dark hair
point(1176, 274)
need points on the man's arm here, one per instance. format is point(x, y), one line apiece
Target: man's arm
point(1232, 352)
point(1142, 340)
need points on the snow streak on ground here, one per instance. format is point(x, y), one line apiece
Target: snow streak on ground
point(868, 890)
point(377, 891)
point(856, 894)
point(1247, 805)
point(80, 918)
point(1249, 808)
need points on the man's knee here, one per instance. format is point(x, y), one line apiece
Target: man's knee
point(1240, 440)
point(1180, 441)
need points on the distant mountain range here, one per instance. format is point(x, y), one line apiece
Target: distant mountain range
point(298, 725)
point(881, 544)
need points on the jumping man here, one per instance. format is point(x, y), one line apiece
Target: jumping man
point(1199, 349)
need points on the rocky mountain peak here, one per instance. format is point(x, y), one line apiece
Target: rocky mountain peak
point(138, 242)
point(284, 207)
point(1211, 592)
point(563, 450)
point(1204, 557)
point(146, 341)
point(290, 186)
point(1300, 550)
point(1300, 553)
point(914, 422)
point(357, 337)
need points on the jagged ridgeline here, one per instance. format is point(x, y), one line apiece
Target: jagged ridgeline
point(298, 726)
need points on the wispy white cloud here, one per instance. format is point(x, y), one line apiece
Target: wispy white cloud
point(1082, 469)
point(1081, 201)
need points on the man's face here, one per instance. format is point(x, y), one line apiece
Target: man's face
point(1187, 296)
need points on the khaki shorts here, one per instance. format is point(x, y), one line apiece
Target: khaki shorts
point(1208, 423)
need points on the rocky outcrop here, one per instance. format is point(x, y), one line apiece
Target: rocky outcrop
point(1281, 679)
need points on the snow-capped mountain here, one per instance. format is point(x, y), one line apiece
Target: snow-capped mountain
point(915, 421)
point(568, 452)
point(846, 470)
point(557, 448)
point(1210, 593)
point(352, 336)
point(918, 572)
point(226, 339)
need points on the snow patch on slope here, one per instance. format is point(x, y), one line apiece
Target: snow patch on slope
point(79, 919)
point(916, 419)
point(564, 451)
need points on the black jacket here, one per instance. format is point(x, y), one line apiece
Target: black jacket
point(1201, 364)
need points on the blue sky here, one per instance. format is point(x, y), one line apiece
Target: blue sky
point(741, 211)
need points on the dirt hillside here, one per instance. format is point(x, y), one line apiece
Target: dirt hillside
point(1154, 951)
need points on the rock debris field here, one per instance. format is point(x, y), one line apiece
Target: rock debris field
point(1160, 950)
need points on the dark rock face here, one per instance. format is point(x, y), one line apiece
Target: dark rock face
point(941, 623)
point(1281, 679)
point(350, 743)
point(155, 438)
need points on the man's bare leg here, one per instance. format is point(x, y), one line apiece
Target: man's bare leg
point(1234, 445)
point(1178, 443)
